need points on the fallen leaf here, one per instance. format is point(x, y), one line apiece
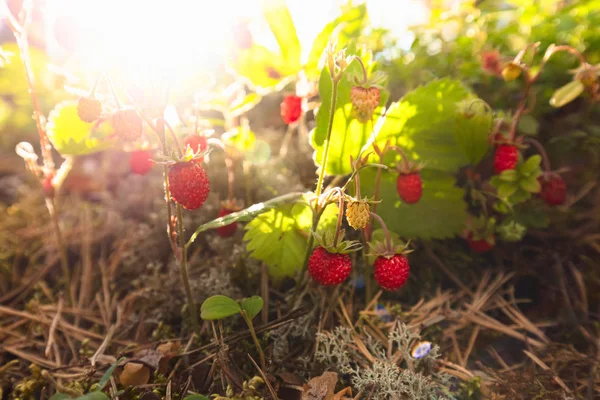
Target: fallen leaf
point(320, 387)
point(134, 374)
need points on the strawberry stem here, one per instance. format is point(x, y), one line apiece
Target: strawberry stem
point(184, 271)
point(96, 83)
point(229, 164)
point(364, 70)
point(174, 137)
point(340, 218)
point(538, 146)
point(113, 91)
point(388, 238)
point(335, 81)
point(404, 157)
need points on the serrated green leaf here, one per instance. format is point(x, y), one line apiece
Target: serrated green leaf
point(440, 213)
point(252, 305)
point(424, 124)
point(472, 133)
point(97, 395)
point(530, 165)
point(511, 230)
point(275, 238)
point(280, 21)
point(506, 190)
point(532, 185)
point(71, 136)
point(342, 29)
point(244, 215)
point(509, 175)
point(567, 93)
point(219, 307)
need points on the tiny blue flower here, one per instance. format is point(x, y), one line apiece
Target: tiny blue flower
point(383, 313)
point(421, 349)
point(359, 282)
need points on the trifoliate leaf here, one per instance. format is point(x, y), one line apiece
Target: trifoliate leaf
point(440, 213)
point(71, 136)
point(219, 307)
point(424, 124)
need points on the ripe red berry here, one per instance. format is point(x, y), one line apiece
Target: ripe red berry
point(89, 109)
point(291, 109)
point(554, 190)
point(227, 230)
point(327, 268)
point(140, 162)
point(490, 62)
point(197, 143)
point(127, 124)
point(364, 102)
point(189, 185)
point(479, 245)
point(506, 158)
point(391, 273)
point(409, 187)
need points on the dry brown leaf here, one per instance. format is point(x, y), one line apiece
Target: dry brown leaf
point(169, 349)
point(134, 374)
point(320, 387)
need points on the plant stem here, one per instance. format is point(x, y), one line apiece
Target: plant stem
point(335, 82)
point(538, 146)
point(160, 131)
point(388, 238)
point(244, 315)
point(61, 248)
point(184, 271)
point(404, 157)
point(174, 137)
point(340, 219)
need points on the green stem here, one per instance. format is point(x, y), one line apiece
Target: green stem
point(263, 364)
point(388, 238)
point(184, 271)
point(174, 137)
point(335, 81)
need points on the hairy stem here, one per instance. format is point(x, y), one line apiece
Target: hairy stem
point(340, 218)
point(173, 137)
point(388, 238)
point(261, 354)
point(184, 271)
point(335, 81)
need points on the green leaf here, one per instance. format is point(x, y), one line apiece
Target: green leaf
point(511, 231)
point(72, 136)
point(349, 136)
point(244, 215)
point(280, 20)
point(529, 166)
point(60, 396)
point(567, 93)
point(241, 138)
point(424, 124)
point(195, 397)
point(244, 105)
point(532, 185)
point(106, 377)
point(219, 307)
point(261, 66)
point(345, 27)
point(506, 190)
point(97, 395)
point(472, 134)
point(252, 305)
point(509, 175)
point(529, 125)
point(275, 238)
point(440, 213)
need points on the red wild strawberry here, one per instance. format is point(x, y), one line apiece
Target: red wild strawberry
point(329, 269)
point(291, 109)
point(140, 162)
point(479, 245)
point(228, 230)
point(410, 187)
point(391, 273)
point(189, 185)
point(554, 190)
point(127, 124)
point(490, 62)
point(364, 102)
point(506, 158)
point(197, 143)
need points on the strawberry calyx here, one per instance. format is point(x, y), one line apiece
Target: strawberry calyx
point(388, 250)
point(328, 242)
point(480, 228)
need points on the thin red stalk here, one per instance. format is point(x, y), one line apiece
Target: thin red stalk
point(174, 137)
point(538, 146)
point(340, 219)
